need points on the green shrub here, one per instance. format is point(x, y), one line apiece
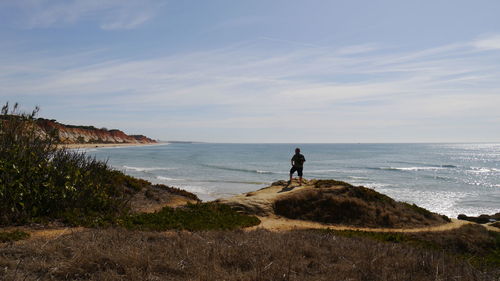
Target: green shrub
point(201, 216)
point(40, 181)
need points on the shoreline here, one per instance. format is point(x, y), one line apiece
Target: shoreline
point(102, 145)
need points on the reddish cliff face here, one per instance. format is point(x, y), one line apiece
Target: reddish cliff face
point(70, 134)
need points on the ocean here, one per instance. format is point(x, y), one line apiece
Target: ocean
point(449, 179)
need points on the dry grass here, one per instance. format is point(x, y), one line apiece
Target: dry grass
point(338, 202)
point(15, 235)
point(117, 254)
point(472, 242)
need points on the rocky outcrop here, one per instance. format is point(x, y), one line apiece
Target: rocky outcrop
point(70, 134)
point(482, 219)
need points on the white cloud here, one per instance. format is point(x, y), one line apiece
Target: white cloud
point(306, 88)
point(491, 42)
point(108, 14)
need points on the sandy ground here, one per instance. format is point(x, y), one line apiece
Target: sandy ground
point(276, 223)
point(94, 145)
point(260, 202)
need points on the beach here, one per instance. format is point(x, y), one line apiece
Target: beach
point(103, 145)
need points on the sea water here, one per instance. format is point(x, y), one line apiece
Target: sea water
point(446, 178)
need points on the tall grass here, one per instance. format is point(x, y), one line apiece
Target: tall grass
point(40, 181)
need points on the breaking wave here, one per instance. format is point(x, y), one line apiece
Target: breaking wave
point(425, 168)
point(167, 178)
point(483, 170)
point(254, 171)
point(147, 169)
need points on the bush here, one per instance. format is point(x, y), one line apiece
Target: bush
point(341, 203)
point(40, 181)
point(201, 216)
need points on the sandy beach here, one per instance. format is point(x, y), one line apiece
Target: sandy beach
point(96, 145)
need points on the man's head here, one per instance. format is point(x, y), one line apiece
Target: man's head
point(297, 150)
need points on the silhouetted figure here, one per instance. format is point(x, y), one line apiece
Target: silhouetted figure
point(297, 165)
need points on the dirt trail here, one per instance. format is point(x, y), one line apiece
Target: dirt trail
point(276, 223)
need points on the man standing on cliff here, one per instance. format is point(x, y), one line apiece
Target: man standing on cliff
point(297, 165)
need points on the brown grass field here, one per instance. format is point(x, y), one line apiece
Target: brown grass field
point(119, 254)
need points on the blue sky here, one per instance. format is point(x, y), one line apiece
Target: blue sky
point(259, 71)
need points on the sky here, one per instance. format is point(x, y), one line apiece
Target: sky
point(259, 70)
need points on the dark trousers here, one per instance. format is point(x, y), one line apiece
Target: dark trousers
point(298, 169)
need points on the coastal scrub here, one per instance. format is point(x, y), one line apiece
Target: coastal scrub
point(39, 181)
point(193, 217)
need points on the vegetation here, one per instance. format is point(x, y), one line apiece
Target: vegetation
point(330, 183)
point(38, 181)
point(471, 242)
point(201, 216)
point(178, 191)
point(9, 236)
point(338, 202)
point(118, 254)
point(69, 126)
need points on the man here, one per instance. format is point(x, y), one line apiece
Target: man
point(297, 165)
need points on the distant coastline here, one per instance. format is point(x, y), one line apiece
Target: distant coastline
point(77, 134)
point(100, 145)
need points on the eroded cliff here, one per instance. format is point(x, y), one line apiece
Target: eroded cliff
point(71, 134)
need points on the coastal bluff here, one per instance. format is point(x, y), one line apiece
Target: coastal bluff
point(72, 134)
point(331, 203)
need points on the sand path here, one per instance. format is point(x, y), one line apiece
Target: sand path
point(276, 223)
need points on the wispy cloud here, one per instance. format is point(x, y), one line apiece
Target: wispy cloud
point(328, 91)
point(488, 43)
point(357, 49)
point(108, 14)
